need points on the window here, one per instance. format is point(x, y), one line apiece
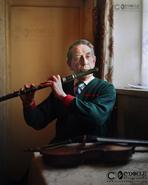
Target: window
point(127, 42)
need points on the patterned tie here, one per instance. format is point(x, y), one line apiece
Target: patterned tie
point(79, 87)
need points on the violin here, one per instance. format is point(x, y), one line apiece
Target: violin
point(89, 150)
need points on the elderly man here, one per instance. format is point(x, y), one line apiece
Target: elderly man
point(82, 109)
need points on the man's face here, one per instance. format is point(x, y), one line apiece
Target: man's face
point(83, 58)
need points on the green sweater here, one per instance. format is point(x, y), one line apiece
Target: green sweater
point(87, 114)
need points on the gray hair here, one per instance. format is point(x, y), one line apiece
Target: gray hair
point(76, 43)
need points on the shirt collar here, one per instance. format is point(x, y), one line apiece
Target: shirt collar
point(86, 81)
point(89, 80)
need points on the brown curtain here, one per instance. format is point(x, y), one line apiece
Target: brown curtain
point(103, 38)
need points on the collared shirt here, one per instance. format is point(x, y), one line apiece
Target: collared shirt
point(85, 82)
point(69, 98)
point(89, 80)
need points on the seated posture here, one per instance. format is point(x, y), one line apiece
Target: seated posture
point(79, 111)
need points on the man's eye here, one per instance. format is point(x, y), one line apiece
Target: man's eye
point(88, 56)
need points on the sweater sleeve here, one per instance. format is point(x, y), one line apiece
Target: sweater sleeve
point(98, 109)
point(39, 116)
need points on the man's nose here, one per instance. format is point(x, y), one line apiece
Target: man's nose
point(83, 60)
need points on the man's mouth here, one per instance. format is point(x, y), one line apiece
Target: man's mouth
point(84, 69)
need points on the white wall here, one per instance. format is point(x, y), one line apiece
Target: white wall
point(144, 74)
point(127, 42)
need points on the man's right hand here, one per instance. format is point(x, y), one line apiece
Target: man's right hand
point(28, 99)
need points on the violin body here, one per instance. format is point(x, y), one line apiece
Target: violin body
point(71, 155)
point(89, 150)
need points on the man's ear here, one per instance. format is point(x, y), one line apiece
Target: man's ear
point(69, 64)
point(94, 60)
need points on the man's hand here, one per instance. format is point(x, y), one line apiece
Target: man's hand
point(27, 99)
point(55, 83)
